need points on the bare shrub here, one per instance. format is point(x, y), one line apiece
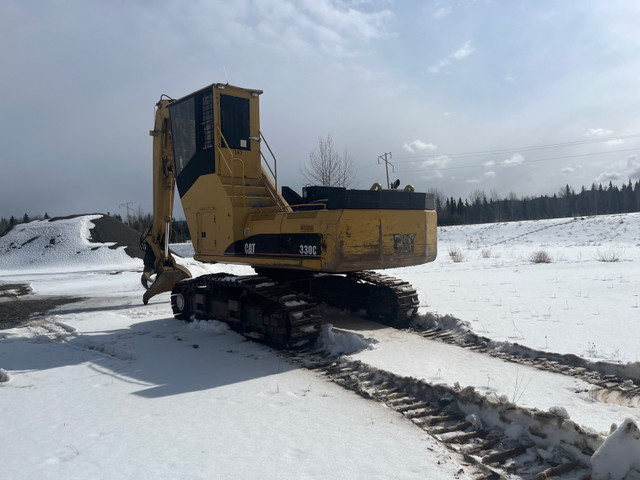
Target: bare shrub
point(486, 253)
point(541, 256)
point(612, 254)
point(455, 255)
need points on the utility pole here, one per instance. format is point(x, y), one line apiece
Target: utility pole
point(386, 161)
point(128, 206)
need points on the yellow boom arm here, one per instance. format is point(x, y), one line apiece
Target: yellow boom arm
point(158, 260)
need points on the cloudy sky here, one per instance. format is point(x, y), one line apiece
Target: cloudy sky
point(500, 96)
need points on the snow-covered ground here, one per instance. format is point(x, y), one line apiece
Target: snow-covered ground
point(579, 303)
point(109, 388)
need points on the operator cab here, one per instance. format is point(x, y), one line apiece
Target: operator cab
point(215, 130)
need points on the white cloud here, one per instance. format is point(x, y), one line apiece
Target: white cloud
point(617, 141)
point(515, 159)
point(633, 165)
point(419, 146)
point(509, 79)
point(570, 170)
point(623, 171)
point(438, 162)
point(438, 66)
point(442, 12)
point(461, 53)
point(485, 175)
point(464, 51)
point(607, 177)
point(348, 20)
point(334, 28)
point(597, 132)
point(490, 163)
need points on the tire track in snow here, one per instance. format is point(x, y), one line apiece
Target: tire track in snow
point(613, 383)
point(491, 437)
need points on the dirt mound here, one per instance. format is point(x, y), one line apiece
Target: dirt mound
point(107, 229)
point(62, 241)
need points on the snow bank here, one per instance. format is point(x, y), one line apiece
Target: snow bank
point(58, 245)
point(619, 455)
point(214, 327)
point(338, 342)
point(541, 430)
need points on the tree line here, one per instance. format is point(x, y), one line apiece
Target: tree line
point(476, 208)
point(140, 221)
point(480, 208)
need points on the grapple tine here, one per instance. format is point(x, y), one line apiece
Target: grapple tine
point(146, 279)
point(164, 282)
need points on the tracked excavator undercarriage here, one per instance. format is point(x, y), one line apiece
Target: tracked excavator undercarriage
point(285, 313)
point(317, 248)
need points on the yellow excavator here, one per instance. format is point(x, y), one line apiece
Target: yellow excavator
point(309, 248)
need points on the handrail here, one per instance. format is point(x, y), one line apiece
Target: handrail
point(233, 159)
point(272, 183)
point(320, 204)
point(277, 208)
point(274, 174)
point(282, 204)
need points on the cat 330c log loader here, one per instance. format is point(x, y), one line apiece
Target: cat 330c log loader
point(305, 249)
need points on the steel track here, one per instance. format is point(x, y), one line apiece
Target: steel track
point(284, 312)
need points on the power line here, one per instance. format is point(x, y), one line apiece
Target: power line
point(527, 161)
point(385, 159)
point(546, 159)
point(520, 149)
point(128, 206)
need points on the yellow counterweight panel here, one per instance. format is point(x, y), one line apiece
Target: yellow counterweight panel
point(376, 239)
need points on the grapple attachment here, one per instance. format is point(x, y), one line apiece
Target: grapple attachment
point(163, 282)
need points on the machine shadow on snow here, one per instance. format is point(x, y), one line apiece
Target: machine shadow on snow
point(166, 357)
point(354, 323)
point(70, 310)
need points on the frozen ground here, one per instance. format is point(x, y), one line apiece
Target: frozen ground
point(109, 388)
